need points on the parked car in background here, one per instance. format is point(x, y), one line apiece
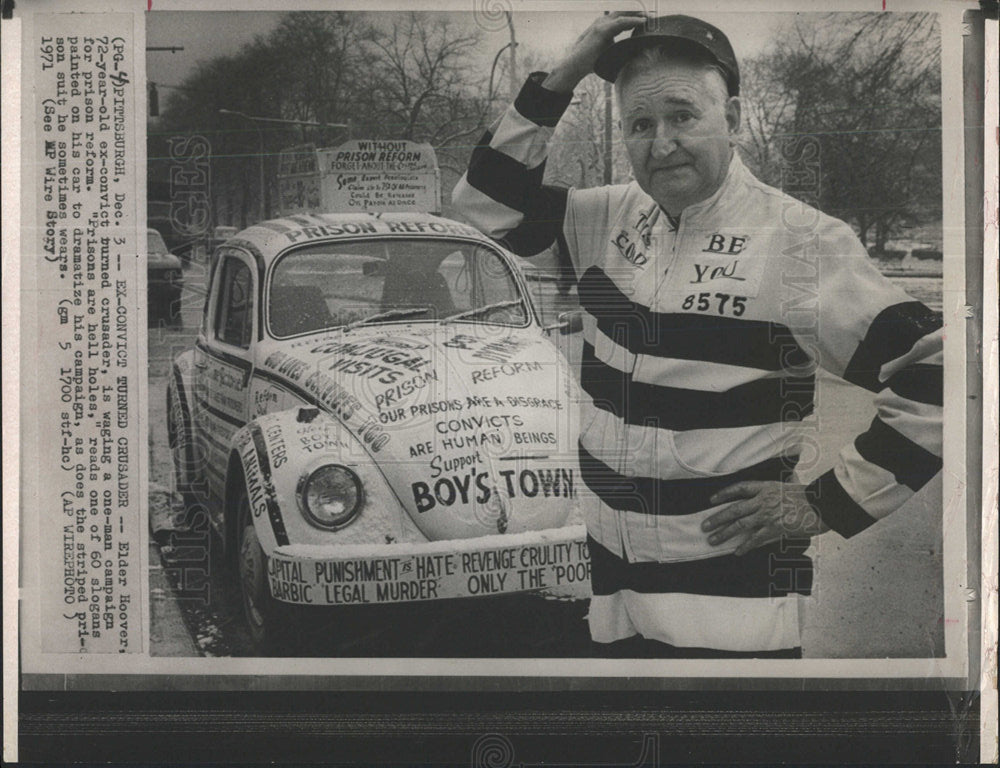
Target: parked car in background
point(222, 233)
point(219, 236)
point(373, 413)
point(165, 279)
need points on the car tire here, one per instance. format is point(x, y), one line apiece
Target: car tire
point(270, 622)
point(184, 454)
point(179, 440)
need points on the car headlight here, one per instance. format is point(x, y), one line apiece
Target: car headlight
point(330, 496)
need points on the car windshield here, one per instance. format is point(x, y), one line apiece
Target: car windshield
point(393, 280)
point(154, 242)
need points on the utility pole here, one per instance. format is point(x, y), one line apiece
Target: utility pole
point(515, 84)
point(607, 132)
point(607, 129)
point(154, 96)
point(493, 69)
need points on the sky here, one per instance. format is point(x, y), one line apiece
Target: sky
point(208, 34)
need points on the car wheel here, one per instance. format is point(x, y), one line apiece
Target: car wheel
point(179, 440)
point(265, 617)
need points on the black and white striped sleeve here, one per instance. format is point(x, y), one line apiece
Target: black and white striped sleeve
point(875, 336)
point(502, 193)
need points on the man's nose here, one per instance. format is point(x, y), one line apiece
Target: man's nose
point(664, 142)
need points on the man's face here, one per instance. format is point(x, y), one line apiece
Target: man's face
point(677, 120)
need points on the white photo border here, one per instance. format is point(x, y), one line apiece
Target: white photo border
point(953, 671)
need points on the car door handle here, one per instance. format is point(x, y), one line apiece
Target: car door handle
point(201, 363)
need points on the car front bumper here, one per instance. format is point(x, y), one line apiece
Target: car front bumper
point(554, 561)
point(163, 288)
point(157, 283)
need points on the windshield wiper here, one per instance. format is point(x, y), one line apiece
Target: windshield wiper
point(390, 314)
point(480, 310)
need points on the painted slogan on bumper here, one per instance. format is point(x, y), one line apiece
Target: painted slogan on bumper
point(552, 560)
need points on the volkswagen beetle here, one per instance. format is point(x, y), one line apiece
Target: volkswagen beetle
point(373, 413)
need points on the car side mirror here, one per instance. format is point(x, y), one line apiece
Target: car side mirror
point(567, 322)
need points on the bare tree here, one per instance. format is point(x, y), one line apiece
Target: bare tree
point(766, 107)
point(246, 82)
point(578, 155)
point(412, 77)
point(321, 72)
point(869, 90)
point(420, 78)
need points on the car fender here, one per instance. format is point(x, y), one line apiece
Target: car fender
point(277, 451)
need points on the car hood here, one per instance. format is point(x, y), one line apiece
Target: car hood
point(472, 425)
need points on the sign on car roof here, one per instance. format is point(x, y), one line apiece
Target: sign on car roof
point(360, 176)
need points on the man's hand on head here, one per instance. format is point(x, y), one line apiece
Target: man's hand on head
point(579, 62)
point(765, 510)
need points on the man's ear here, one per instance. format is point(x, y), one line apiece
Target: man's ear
point(733, 115)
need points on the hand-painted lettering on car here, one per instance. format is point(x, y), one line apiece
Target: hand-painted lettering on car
point(260, 445)
point(290, 367)
point(404, 388)
point(433, 575)
point(330, 230)
point(478, 487)
point(276, 444)
point(506, 369)
point(251, 474)
point(349, 229)
point(332, 395)
point(489, 349)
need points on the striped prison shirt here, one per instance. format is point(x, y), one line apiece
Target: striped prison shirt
point(702, 338)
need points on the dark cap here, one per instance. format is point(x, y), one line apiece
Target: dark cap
point(686, 30)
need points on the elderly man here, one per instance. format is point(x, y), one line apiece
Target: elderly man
point(709, 300)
